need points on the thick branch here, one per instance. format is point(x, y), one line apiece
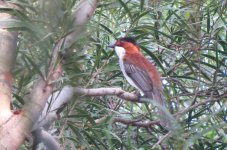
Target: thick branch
point(107, 91)
point(63, 96)
point(81, 15)
point(55, 101)
point(46, 138)
point(59, 98)
point(7, 58)
point(43, 89)
point(8, 41)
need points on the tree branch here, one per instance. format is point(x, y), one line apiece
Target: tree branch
point(7, 58)
point(161, 140)
point(107, 91)
point(44, 88)
point(137, 123)
point(20, 124)
point(8, 42)
point(180, 113)
point(46, 138)
point(82, 13)
point(62, 97)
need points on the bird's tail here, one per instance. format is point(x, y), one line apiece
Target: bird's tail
point(159, 100)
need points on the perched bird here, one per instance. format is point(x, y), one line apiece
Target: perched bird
point(141, 74)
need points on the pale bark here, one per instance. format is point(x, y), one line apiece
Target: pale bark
point(85, 9)
point(47, 139)
point(15, 127)
point(8, 41)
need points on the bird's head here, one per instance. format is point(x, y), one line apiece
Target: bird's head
point(125, 45)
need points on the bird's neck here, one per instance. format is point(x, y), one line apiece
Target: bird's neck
point(120, 52)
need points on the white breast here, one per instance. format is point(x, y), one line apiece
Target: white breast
point(120, 53)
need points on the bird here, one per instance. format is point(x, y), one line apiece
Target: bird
point(141, 74)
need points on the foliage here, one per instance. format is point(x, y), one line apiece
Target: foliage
point(185, 39)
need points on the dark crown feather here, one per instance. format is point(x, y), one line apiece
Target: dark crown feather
point(129, 39)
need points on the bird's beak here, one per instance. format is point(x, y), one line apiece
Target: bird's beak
point(111, 46)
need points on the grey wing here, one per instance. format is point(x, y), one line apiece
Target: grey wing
point(139, 76)
point(143, 81)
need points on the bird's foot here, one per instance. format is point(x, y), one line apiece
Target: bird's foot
point(140, 97)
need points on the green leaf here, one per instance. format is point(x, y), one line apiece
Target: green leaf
point(19, 98)
point(141, 4)
point(114, 135)
point(184, 77)
point(106, 28)
point(205, 75)
point(189, 65)
point(37, 68)
point(208, 20)
point(124, 5)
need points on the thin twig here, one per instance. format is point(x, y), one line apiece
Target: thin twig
point(161, 140)
point(137, 123)
point(199, 104)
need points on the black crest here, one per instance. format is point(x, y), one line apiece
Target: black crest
point(129, 39)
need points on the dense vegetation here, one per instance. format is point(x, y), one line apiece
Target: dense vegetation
point(185, 39)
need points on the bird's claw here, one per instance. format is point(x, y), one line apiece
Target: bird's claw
point(137, 93)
